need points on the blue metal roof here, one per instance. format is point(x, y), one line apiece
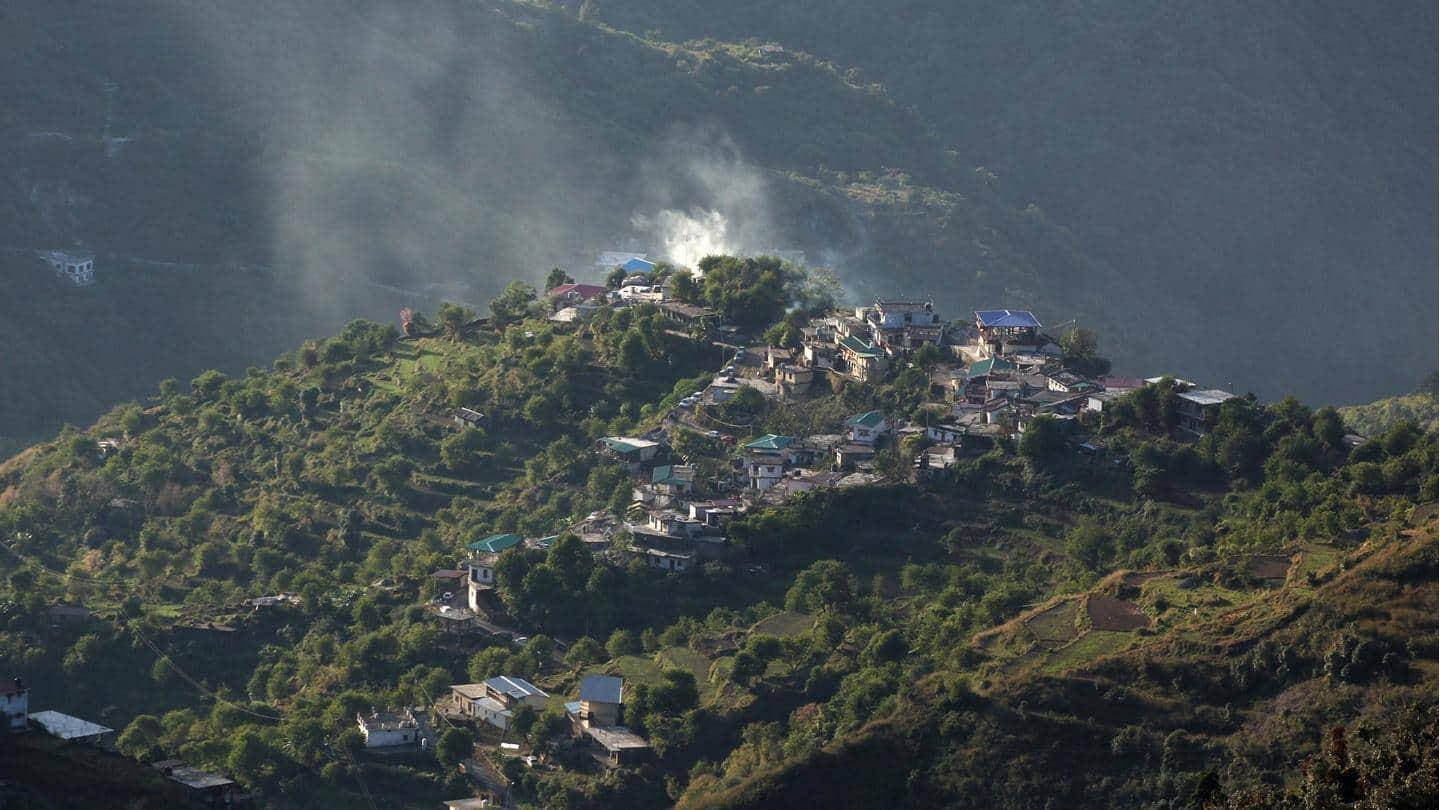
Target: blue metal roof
point(601, 688)
point(1018, 318)
point(638, 265)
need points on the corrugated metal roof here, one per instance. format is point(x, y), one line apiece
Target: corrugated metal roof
point(517, 688)
point(868, 419)
point(770, 441)
point(1014, 318)
point(496, 543)
point(602, 689)
point(66, 727)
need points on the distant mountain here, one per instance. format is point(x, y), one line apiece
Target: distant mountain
point(438, 148)
point(1264, 173)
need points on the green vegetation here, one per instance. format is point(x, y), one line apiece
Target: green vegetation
point(1037, 599)
point(1377, 417)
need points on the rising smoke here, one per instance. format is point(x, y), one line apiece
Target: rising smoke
point(428, 146)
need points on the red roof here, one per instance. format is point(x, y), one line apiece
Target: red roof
point(582, 291)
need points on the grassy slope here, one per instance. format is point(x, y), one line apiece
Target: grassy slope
point(1061, 717)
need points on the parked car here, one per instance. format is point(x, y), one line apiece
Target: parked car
point(714, 434)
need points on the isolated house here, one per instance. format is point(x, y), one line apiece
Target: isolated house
point(386, 729)
point(77, 268)
point(1197, 409)
point(196, 787)
point(600, 702)
point(14, 705)
point(628, 449)
point(1006, 331)
point(468, 418)
point(70, 729)
point(495, 701)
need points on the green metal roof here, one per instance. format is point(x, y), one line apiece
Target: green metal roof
point(770, 442)
point(496, 543)
point(989, 364)
point(620, 444)
point(860, 347)
point(869, 419)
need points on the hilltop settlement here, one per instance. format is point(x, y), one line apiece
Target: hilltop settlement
point(677, 536)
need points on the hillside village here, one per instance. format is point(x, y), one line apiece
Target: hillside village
point(990, 379)
point(812, 414)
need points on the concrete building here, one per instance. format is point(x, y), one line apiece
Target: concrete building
point(199, 788)
point(77, 268)
point(385, 729)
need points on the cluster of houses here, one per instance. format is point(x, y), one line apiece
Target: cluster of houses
point(991, 376)
point(574, 302)
point(595, 716)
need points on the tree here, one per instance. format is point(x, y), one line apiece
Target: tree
point(584, 652)
point(747, 292)
point(1080, 344)
point(825, 585)
point(452, 319)
point(684, 287)
point(252, 760)
point(615, 278)
point(454, 747)
point(1087, 544)
point(1042, 441)
point(141, 739)
point(1328, 427)
point(745, 668)
point(488, 663)
point(513, 304)
point(556, 278)
point(392, 474)
point(1082, 353)
point(622, 642)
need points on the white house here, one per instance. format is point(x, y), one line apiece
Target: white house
point(495, 701)
point(385, 729)
point(15, 705)
point(867, 428)
point(77, 268)
point(1196, 409)
point(480, 577)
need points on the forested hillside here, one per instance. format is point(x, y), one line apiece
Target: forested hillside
point(445, 148)
point(1122, 621)
point(1259, 170)
point(1173, 178)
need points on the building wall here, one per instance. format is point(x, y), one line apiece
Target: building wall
point(381, 739)
point(15, 709)
point(600, 714)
